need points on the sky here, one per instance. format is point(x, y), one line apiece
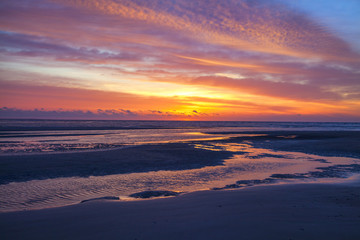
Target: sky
point(230, 60)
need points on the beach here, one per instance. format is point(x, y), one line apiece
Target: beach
point(234, 184)
point(300, 211)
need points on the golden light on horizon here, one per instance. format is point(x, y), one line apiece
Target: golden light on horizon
point(164, 60)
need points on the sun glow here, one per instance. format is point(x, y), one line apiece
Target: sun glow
point(179, 60)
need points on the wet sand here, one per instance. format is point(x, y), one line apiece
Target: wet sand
point(302, 211)
point(143, 158)
point(323, 143)
point(170, 156)
point(298, 211)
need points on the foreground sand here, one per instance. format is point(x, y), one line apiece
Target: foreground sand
point(301, 211)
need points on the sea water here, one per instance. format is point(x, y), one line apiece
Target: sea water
point(24, 137)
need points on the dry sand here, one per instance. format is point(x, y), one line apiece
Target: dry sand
point(299, 211)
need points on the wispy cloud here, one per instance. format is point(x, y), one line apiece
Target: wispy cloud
point(260, 26)
point(195, 57)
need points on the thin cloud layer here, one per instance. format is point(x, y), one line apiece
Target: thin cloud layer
point(205, 59)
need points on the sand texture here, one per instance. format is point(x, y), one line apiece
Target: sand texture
point(302, 211)
point(280, 212)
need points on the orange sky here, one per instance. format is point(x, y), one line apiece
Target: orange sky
point(179, 60)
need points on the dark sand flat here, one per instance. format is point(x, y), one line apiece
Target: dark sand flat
point(169, 156)
point(302, 211)
point(324, 143)
point(144, 158)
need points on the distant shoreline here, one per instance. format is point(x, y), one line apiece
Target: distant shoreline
point(60, 124)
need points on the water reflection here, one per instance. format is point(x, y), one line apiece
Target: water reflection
point(248, 163)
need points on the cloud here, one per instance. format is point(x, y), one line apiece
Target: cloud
point(121, 114)
point(218, 57)
point(259, 26)
point(32, 46)
point(13, 113)
point(25, 96)
point(268, 88)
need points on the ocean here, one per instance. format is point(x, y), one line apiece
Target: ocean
point(54, 163)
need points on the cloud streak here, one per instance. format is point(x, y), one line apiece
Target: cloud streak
point(195, 57)
point(232, 24)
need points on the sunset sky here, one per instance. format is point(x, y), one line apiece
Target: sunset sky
point(278, 60)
